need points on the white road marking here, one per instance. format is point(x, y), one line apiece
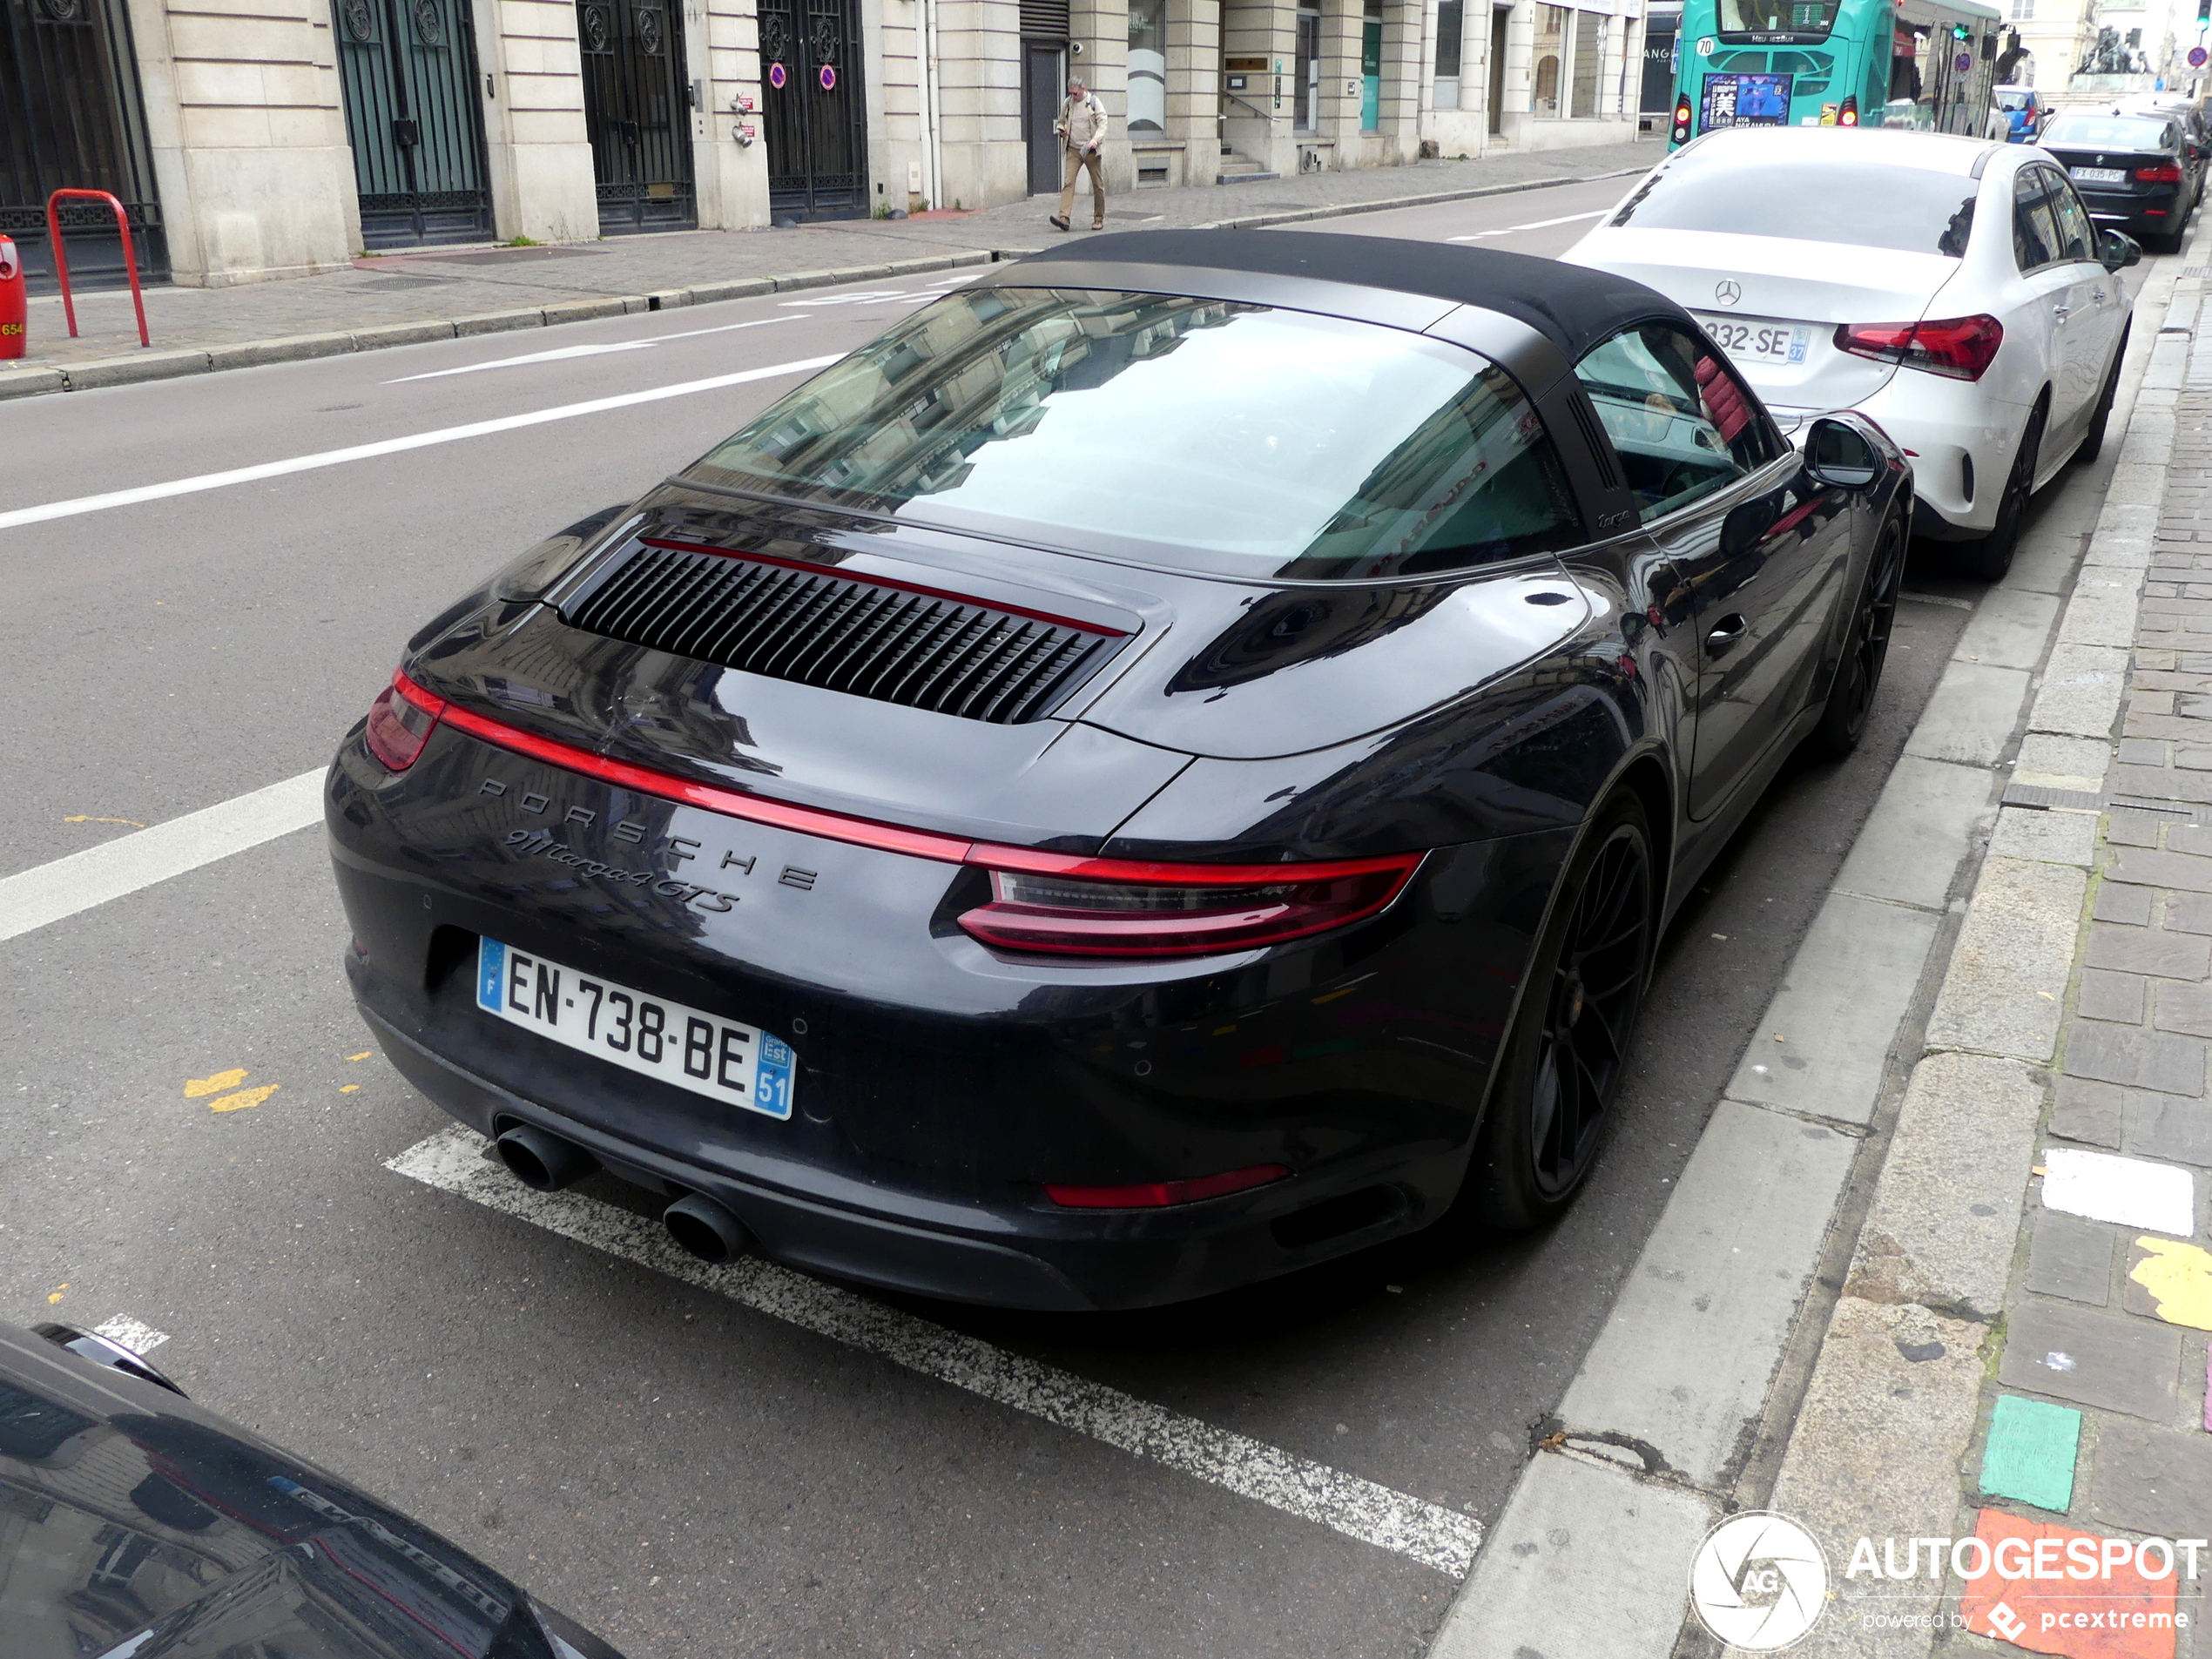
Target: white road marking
point(51, 891)
point(565, 352)
point(1533, 224)
point(396, 445)
point(453, 1160)
point(135, 1334)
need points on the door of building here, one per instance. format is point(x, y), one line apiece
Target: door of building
point(1041, 92)
point(407, 70)
point(813, 113)
point(1371, 71)
point(71, 118)
point(1305, 101)
point(1500, 17)
point(637, 112)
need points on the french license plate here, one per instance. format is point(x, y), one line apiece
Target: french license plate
point(702, 1052)
point(1755, 341)
point(2100, 175)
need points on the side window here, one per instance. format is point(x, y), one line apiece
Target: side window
point(1682, 423)
point(2035, 236)
point(2077, 235)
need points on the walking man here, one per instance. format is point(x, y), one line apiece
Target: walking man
point(1082, 127)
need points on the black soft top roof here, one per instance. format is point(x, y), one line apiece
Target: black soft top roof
point(1571, 305)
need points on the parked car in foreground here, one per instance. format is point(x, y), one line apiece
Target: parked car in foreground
point(136, 1524)
point(2138, 173)
point(1165, 767)
point(1955, 291)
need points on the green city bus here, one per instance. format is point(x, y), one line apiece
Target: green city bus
point(1929, 64)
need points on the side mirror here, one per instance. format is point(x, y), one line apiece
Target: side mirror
point(2116, 250)
point(1839, 456)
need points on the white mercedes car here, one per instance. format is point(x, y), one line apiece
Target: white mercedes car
point(1951, 288)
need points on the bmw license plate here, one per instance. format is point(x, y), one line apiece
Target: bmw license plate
point(702, 1052)
point(2100, 175)
point(1753, 341)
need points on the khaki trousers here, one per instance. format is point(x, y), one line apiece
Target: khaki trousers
point(1077, 162)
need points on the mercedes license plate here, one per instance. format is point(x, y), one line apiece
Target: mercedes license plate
point(1753, 341)
point(684, 1046)
point(2100, 175)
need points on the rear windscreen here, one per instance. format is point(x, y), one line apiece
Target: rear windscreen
point(1859, 203)
point(2108, 133)
point(1777, 16)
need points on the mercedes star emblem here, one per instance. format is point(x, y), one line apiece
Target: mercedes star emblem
point(1727, 293)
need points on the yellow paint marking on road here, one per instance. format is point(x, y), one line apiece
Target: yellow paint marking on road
point(56, 1296)
point(82, 817)
point(2179, 1278)
point(244, 1099)
point(195, 1087)
point(349, 1089)
point(363, 1055)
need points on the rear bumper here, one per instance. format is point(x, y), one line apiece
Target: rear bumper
point(939, 1085)
point(1945, 425)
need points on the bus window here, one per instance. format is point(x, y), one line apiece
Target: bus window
point(1815, 18)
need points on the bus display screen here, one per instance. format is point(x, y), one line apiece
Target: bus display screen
point(1746, 101)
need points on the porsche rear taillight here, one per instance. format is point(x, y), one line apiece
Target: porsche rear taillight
point(1960, 348)
point(2170, 173)
point(400, 721)
point(1111, 908)
point(1682, 120)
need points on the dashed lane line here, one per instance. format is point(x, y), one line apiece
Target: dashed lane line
point(565, 353)
point(453, 1162)
point(49, 892)
point(395, 446)
point(1533, 224)
point(135, 1334)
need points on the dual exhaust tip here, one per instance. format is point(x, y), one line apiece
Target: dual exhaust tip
point(698, 1224)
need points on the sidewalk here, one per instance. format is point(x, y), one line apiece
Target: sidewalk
point(2018, 1348)
point(1935, 1267)
point(407, 298)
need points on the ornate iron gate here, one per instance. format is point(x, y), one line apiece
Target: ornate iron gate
point(813, 115)
point(71, 118)
point(637, 109)
point(414, 116)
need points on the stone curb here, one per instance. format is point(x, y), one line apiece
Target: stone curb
point(1855, 1395)
point(168, 365)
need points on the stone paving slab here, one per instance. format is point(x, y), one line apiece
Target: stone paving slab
point(405, 298)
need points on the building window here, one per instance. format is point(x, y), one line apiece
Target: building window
point(1306, 100)
point(2023, 10)
point(1448, 17)
point(1148, 66)
point(1589, 44)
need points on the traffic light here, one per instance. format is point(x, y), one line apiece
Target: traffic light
point(1959, 30)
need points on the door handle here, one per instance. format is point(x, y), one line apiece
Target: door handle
point(1730, 630)
point(2061, 311)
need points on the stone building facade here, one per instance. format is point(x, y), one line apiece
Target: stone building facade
point(260, 138)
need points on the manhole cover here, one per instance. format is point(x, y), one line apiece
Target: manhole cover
point(2196, 270)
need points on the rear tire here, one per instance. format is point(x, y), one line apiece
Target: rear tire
point(1561, 1064)
point(1990, 557)
point(2093, 442)
point(1858, 676)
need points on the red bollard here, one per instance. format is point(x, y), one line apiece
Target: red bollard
point(12, 305)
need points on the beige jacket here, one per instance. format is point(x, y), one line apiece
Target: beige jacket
point(1081, 121)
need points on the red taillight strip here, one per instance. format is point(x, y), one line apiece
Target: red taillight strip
point(885, 837)
point(843, 575)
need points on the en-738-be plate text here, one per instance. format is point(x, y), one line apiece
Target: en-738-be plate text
point(684, 1046)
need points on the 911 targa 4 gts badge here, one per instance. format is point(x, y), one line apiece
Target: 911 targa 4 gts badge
point(538, 843)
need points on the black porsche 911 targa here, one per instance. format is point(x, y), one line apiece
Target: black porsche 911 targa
point(1167, 766)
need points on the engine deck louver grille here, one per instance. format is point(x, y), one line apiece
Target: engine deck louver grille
point(840, 633)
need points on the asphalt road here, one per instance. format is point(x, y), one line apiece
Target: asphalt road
point(685, 1474)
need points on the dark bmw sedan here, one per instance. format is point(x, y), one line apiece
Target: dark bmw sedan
point(135, 1525)
point(1167, 766)
point(2134, 171)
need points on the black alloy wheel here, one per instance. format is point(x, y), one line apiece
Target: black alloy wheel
point(2093, 440)
point(1563, 1063)
point(1858, 676)
point(1990, 557)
